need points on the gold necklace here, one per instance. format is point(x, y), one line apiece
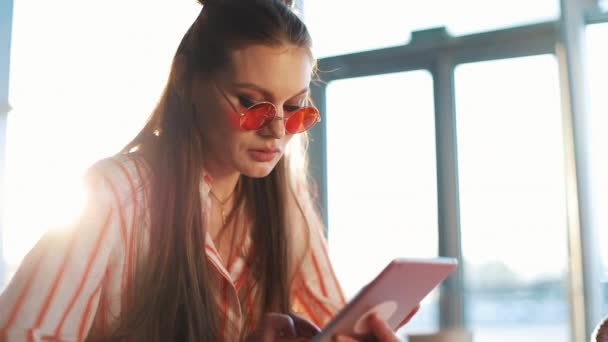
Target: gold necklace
point(222, 203)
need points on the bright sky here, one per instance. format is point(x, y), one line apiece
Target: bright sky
point(81, 87)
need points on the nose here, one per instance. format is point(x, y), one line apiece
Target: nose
point(276, 128)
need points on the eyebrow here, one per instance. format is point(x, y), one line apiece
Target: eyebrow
point(263, 91)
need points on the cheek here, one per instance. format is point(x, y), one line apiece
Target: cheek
point(223, 132)
point(224, 116)
point(240, 141)
point(234, 121)
point(228, 130)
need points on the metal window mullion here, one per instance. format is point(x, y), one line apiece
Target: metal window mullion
point(506, 43)
point(317, 150)
point(451, 298)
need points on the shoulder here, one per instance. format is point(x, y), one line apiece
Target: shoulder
point(123, 177)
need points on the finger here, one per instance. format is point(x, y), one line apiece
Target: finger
point(304, 327)
point(381, 329)
point(277, 326)
point(409, 316)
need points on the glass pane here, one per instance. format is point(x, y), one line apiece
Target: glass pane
point(512, 199)
point(597, 55)
point(381, 177)
point(363, 25)
point(78, 95)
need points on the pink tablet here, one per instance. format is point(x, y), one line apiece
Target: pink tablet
point(393, 294)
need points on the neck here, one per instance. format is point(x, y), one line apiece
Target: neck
point(223, 187)
point(224, 183)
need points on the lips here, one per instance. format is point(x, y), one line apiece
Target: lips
point(264, 154)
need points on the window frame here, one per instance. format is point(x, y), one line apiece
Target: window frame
point(439, 53)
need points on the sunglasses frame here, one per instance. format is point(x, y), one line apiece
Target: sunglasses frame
point(275, 116)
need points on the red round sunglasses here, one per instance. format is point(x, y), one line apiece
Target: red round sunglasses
point(263, 113)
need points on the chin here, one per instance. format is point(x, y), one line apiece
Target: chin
point(258, 171)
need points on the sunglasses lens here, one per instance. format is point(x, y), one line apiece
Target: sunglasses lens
point(302, 120)
point(257, 116)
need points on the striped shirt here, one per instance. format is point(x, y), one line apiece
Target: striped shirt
point(73, 279)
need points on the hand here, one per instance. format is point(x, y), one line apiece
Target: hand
point(277, 327)
point(409, 316)
point(380, 329)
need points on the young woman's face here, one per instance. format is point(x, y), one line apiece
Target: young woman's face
point(280, 75)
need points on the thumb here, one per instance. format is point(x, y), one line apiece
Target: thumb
point(409, 316)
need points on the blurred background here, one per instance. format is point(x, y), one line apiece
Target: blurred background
point(471, 128)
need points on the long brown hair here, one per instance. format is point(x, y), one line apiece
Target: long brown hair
point(170, 297)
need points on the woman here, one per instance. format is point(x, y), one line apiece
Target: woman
point(202, 228)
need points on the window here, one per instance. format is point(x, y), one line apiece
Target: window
point(82, 85)
point(597, 54)
point(512, 197)
point(366, 25)
point(381, 177)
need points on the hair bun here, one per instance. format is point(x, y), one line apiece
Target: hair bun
point(288, 3)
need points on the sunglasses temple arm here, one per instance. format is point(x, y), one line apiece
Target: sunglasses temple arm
point(311, 103)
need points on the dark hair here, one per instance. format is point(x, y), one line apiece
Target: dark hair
point(170, 297)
